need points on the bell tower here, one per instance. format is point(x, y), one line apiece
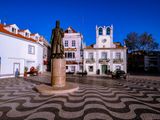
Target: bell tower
point(104, 36)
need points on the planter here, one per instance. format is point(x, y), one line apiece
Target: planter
point(25, 74)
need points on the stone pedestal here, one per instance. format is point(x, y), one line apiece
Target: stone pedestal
point(58, 72)
point(58, 80)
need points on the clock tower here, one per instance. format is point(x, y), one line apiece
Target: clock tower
point(104, 36)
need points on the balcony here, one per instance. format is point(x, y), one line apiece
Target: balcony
point(117, 60)
point(70, 59)
point(90, 60)
point(104, 60)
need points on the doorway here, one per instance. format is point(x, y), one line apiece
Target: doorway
point(104, 69)
point(15, 67)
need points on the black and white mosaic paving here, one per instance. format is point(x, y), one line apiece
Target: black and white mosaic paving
point(97, 99)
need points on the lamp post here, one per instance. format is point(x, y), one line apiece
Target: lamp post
point(82, 56)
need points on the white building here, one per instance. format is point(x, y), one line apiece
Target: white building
point(72, 44)
point(105, 55)
point(19, 49)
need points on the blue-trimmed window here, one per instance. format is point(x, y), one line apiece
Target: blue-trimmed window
point(100, 31)
point(108, 31)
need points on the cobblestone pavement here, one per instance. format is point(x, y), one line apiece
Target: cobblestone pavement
point(98, 98)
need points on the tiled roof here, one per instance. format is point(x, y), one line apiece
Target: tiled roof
point(117, 46)
point(21, 30)
point(104, 48)
point(34, 34)
point(41, 38)
point(90, 47)
point(73, 31)
point(13, 34)
point(9, 25)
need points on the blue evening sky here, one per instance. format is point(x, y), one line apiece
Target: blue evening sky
point(83, 15)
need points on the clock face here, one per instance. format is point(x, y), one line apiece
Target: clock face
point(104, 40)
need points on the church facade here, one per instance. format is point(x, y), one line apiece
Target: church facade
point(105, 56)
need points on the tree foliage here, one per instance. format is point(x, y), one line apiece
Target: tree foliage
point(131, 41)
point(144, 42)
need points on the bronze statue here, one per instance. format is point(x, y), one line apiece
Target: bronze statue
point(57, 48)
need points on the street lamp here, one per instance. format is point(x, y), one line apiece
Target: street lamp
point(82, 56)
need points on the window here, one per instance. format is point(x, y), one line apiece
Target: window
point(66, 67)
point(100, 31)
point(66, 55)
point(108, 31)
point(69, 31)
point(27, 34)
point(13, 30)
point(66, 43)
point(104, 55)
point(69, 55)
point(81, 53)
point(31, 49)
point(118, 67)
point(36, 37)
point(90, 55)
point(73, 43)
point(73, 68)
point(118, 55)
point(90, 68)
point(73, 55)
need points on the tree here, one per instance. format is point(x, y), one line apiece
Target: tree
point(144, 42)
point(147, 42)
point(131, 41)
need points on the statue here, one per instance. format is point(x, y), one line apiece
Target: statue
point(57, 48)
point(58, 67)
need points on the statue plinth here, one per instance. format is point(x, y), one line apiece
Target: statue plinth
point(58, 80)
point(58, 72)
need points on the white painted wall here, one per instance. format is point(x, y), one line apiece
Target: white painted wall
point(15, 50)
point(39, 58)
point(111, 53)
point(78, 38)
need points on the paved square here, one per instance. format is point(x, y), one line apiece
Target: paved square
point(98, 98)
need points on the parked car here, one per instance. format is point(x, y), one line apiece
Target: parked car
point(84, 73)
point(70, 72)
point(119, 74)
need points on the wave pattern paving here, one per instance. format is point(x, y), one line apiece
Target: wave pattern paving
point(125, 100)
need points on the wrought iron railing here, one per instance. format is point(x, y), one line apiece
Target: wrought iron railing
point(117, 60)
point(90, 60)
point(104, 60)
